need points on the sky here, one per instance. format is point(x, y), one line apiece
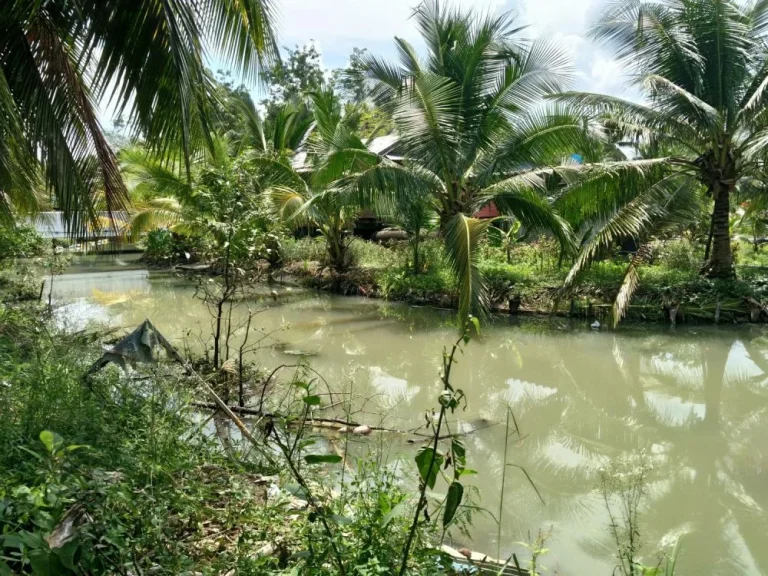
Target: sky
point(336, 26)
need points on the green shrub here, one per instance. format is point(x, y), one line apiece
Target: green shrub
point(433, 286)
point(20, 241)
point(367, 254)
point(306, 249)
point(680, 254)
point(165, 246)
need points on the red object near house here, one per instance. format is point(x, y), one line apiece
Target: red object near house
point(488, 211)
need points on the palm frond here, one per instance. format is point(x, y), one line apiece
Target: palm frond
point(386, 185)
point(595, 191)
point(144, 59)
point(290, 206)
point(241, 32)
point(537, 138)
point(152, 214)
point(520, 196)
point(148, 177)
point(19, 177)
point(631, 118)
point(674, 99)
point(427, 119)
point(254, 126)
point(665, 201)
point(462, 236)
point(628, 286)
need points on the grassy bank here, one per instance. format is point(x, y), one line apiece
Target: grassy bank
point(532, 276)
point(124, 475)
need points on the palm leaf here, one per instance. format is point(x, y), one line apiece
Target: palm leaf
point(520, 196)
point(152, 214)
point(462, 236)
point(628, 286)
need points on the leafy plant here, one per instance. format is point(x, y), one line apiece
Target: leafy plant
point(146, 58)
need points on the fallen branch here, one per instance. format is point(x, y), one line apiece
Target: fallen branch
point(334, 423)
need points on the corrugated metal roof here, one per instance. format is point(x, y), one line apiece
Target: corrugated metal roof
point(52, 224)
point(382, 145)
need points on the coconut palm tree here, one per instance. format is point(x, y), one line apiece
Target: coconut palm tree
point(317, 200)
point(630, 199)
point(703, 69)
point(144, 57)
point(471, 129)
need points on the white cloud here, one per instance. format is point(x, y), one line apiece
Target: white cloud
point(339, 25)
point(357, 20)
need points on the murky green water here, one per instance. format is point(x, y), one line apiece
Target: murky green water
point(696, 399)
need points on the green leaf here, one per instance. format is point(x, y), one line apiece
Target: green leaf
point(302, 385)
point(341, 520)
point(322, 458)
point(428, 462)
point(51, 440)
point(67, 554)
point(297, 491)
point(459, 455)
point(394, 513)
point(4, 570)
point(12, 541)
point(455, 493)
point(476, 323)
point(31, 452)
point(311, 400)
point(44, 563)
point(32, 540)
point(462, 236)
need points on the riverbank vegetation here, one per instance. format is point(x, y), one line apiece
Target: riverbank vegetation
point(466, 175)
point(509, 193)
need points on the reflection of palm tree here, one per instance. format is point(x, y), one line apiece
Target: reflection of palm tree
point(683, 405)
point(702, 487)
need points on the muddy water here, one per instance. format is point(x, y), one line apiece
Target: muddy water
point(694, 399)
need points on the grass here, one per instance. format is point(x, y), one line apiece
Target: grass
point(535, 275)
point(149, 487)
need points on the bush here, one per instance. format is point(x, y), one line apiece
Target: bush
point(306, 249)
point(372, 255)
point(680, 254)
point(20, 242)
point(434, 286)
point(164, 246)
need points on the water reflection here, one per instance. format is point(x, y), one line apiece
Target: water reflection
point(696, 400)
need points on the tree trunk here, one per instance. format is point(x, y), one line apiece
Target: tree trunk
point(416, 263)
point(720, 263)
point(337, 250)
point(708, 250)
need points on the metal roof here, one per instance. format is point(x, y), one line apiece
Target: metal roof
point(53, 225)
